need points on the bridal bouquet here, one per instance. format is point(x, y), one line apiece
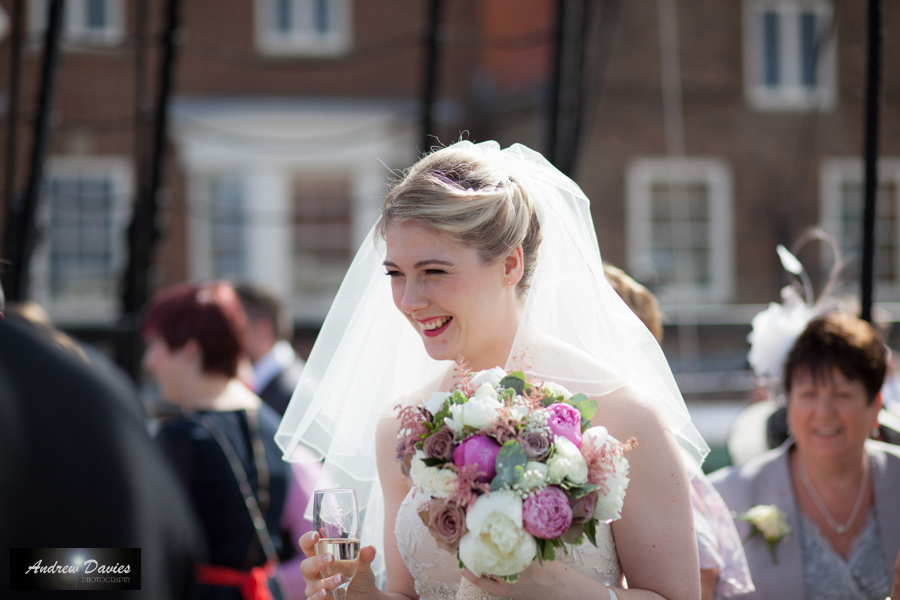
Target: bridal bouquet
point(512, 469)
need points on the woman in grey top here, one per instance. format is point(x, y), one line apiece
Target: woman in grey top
point(834, 488)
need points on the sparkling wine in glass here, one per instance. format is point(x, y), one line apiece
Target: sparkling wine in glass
point(336, 519)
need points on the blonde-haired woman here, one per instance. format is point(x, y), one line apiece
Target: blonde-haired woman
point(491, 255)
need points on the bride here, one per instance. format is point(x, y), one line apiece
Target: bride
point(492, 256)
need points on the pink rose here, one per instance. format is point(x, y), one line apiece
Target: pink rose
point(583, 508)
point(447, 522)
point(547, 513)
point(440, 444)
point(478, 450)
point(565, 420)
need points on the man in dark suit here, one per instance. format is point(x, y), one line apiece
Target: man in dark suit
point(276, 367)
point(79, 470)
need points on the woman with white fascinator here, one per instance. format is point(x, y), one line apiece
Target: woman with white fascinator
point(491, 255)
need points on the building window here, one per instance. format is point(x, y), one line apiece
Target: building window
point(789, 54)
point(86, 23)
point(679, 228)
point(303, 27)
point(842, 185)
point(84, 212)
point(322, 240)
point(228, 222)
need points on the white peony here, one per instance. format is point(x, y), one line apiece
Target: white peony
point(595, 436)
point(479, 412)
point(557, 390)
point(443, 483)
point(496, 543)
point(493, 377)
point(433, 404)
point(609, 506)
point(566, 463)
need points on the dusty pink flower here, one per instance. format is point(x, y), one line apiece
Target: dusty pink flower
point(583, 508)
point(565, 420)
point(447, 522)
point(536, 444)
point(478, 450)
point(547, 513)
point(440, 444)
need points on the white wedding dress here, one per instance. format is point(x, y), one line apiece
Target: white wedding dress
point(436, 572)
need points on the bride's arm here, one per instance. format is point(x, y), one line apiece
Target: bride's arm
point(395, 488)
point(655, 537)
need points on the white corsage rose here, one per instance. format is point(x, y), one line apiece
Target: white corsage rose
point(496, 542)
point(479, 412)
point(566, 463)
point(767, 521)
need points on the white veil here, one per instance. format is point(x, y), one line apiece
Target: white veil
point(367, 356)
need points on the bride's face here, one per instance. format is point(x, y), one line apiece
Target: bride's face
point(459, 305)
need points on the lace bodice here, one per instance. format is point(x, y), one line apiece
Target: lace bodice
point(436, 572)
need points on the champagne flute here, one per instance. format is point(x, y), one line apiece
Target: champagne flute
point(336, 520)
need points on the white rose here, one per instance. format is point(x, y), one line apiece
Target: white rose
point(434, 403)
point(485, 390)
point(478, 412)
point(496, 542)
point(443, 483)
point(769, 521)
point(609, 506)
point(566, 463)
point(492, 377)
point(557, 390)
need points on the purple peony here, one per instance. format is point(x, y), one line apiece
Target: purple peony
point(536, 444)
point(565, 420)
point(440, 444)
point(547, 513)
point(447, 522)
point(478, 450)
point(583, 508)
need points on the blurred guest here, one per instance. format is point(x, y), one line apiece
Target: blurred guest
point(723, 566)
point(276, 367)
point(834, 531)
point(222, 442)
point(78, 469)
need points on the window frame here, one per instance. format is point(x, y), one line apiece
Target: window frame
point(76, 35)
point(833, 173)
point(303, 43)
point(791, 94)
point(641, 175)
point(99, 308)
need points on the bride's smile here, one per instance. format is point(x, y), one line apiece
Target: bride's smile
point(459, 304)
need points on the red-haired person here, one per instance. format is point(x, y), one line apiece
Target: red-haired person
point(222, 441)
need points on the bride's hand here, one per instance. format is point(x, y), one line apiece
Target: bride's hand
point(319, 586)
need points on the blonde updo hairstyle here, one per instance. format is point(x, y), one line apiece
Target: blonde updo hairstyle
point(463, 194)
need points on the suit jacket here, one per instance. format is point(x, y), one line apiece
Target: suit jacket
point(277, 393)
point(766, 479)
point(79, 470)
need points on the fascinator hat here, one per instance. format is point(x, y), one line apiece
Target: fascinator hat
point(774, 330)
point(367, 358)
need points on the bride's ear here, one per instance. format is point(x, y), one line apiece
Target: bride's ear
point(514, 266)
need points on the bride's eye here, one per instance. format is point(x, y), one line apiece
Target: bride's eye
point(393, 273)
point(435, 272)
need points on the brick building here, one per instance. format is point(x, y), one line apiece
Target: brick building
point(711, 132)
